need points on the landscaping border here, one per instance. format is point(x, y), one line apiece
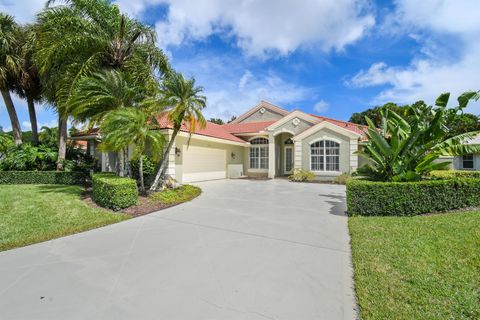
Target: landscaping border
point(43, 177)
point(370, 198)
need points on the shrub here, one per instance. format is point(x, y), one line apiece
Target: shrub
point(174, 196)
point(113, 192)
point(301, 175)
point(42, 177)
point(149, 170)
point(371, 198)
point(343, 178)
point(452, 174)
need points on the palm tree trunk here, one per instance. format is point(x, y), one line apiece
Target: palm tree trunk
point(62, 141)
point(140, 171)
point(17, 131)
point(163, 165)
point(33, 119)
point(121, 163)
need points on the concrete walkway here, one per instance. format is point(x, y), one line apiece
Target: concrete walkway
point(242, 250)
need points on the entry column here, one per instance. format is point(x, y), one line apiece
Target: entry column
point(271, 155)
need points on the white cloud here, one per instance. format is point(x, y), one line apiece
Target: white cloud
point(23, 11)
point(434, 69)
point(321, 106)
point(261, 27)
point(231, 89)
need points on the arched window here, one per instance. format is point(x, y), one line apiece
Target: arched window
point(325, 156)
point(259, 153)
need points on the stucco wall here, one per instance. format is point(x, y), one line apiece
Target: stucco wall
point(237, 158)
point(344, 150)
point(268, 115)
point(290, 127)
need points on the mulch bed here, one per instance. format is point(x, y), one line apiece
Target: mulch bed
point(144, 205)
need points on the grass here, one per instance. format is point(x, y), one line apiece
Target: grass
point(422, 267)
point(172, 197)
point(35, 213)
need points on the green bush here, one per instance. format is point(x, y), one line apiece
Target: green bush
point(452, 174)
point(301, 175)
point(113, 192)
point(42, 177)
point(370, 198)
point(149, 170)
point(343, 178)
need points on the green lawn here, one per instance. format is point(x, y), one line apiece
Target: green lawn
point(175, 196)
point(34, 213)
point(422, 267)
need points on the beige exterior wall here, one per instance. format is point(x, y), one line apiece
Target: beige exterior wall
point(325, 133)
point(268, 115)
point(234, 154)
point(290, 127)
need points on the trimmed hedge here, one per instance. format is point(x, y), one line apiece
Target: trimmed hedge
point(452, 174)
point(42, 177)
point(113, 192)
point(370, 198)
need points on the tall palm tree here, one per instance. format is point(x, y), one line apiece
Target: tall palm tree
point(28, 83)
point(185, 104)
point(10, 63)
point(80, 37)
point(132, 126)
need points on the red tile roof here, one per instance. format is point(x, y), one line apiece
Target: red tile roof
point(355, 127)
point(247, 127)
point(210, 130)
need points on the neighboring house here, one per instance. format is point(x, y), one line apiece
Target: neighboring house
point(266, 141)
point(468, 161)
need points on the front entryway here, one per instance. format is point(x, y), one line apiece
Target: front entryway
point(288, 159)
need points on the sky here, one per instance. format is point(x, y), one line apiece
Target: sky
point(329, 57)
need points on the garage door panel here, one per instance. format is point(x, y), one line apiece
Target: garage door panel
point(201, 163)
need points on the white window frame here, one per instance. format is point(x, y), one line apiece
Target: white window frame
point(324, 155)
point(462, 159)
point(258, 157)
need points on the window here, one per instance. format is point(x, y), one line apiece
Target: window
point(467, 161)
point(325, 156)
point(259, 153)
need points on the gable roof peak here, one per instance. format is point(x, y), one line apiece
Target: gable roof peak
point(261, 104)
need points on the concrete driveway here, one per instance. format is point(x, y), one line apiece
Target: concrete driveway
point(242, 250)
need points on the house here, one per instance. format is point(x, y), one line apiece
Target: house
point(265, 141)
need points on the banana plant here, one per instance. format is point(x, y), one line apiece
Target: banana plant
point(407, 147)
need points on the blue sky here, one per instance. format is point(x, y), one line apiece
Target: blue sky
point(331, 57)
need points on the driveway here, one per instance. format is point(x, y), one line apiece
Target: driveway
point(242, 250)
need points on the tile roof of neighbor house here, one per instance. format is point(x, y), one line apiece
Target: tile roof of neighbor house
point(210, 130)
point(247, 127)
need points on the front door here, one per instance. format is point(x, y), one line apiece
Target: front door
point(288, 158)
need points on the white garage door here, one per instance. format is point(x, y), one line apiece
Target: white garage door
point(200, 164)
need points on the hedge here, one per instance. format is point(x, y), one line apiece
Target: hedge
point(42, 177)
point(452, 174)
point(370, 198)
point(113, 192)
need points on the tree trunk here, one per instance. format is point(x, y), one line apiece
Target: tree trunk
point(17, 131)
point(163, 165)
point(33, 119)
point(121, 163)
point(140, 171)
point(62, 141)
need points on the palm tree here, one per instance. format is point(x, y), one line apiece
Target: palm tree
point(132, 126)
point(29, 85)
point(407, 150)
point(98, 95)
point(10, 63)
point(81, 37)
point(185, 108)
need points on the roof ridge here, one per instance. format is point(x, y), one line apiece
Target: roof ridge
point(353, 123)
